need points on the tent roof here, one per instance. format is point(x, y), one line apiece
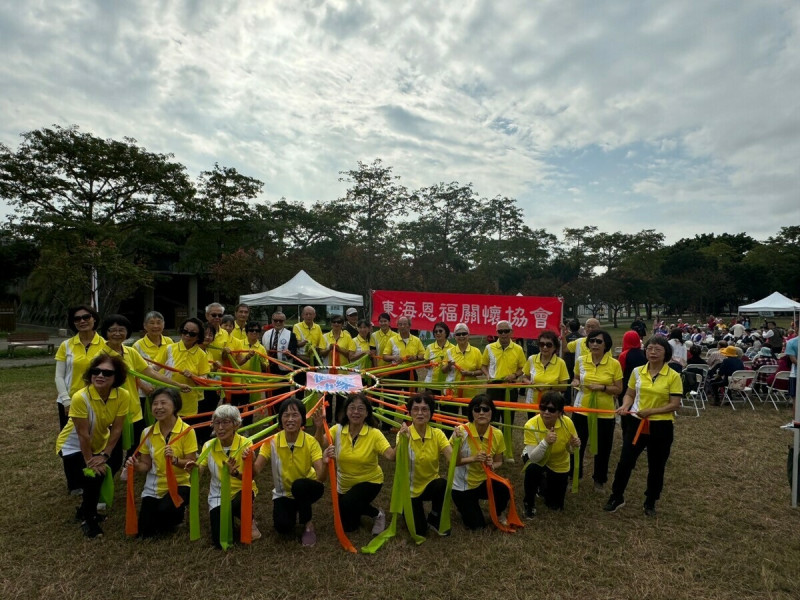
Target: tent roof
point(775, 302)
point(301, 289)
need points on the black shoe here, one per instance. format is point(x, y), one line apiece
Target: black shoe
point(91, 528)
point(650, 509)
point(530, 511)
point(614, 504)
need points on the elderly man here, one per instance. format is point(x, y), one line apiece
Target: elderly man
point(279, 341)
point(402, 348)
point(467, 359)
point(351, 326)
point(579, 347)
point(503, 361)
point(241, 315)
point(223, 343)
point(309, 335)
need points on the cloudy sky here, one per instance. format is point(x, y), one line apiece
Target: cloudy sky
point(680, 116)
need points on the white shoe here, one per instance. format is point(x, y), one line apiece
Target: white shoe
point(101, 506)
point(123, 475)
point(380, 523)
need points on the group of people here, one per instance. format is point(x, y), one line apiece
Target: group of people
point(150, 390)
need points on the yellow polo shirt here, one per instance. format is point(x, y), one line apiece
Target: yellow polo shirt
point(468, 360)
point(655, 392)
point(222, 340)
point(554, 373)
point(471, 475)
point(379, 339)
point(216, 457)
point(193, 359)
point(77, 358)
point(436, 354)
point(345, 343)
point(148, 349)
point(258, 360)
point(362, 345)
point(423, 456)
point(155, 485)
point(357, 460)
point(238, 333)
point(133, 360)
point(291, 463)
point(503, 362)
point(313, 335)
point(605, 373)
point(87, 404)
point(395, 346)
point(579, 347)
point(557, 456)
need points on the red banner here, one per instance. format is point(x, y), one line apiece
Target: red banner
point(528, 315)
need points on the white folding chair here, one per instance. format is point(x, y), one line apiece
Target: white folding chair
point(775, 394)
point(695, 395)
point(760, 386)
point(736, 390)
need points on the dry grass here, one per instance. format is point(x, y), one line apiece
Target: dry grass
point(724, 530)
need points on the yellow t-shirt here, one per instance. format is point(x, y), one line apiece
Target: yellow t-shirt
point(468, 360)
point(77, 358)
point(655, 393)
point(436, 354)
point(471, 475)
point(378, 340)
point(396, 347)
point(345, 343)
point(557, 456)
point(503, 362)
point(554, 373)
point(362, 345)
point(155, 485)
point(313, 335)
point(258, 361)
point(193, 359)
point(133, 360)
point(239, 333)
point(216, 457)
point(291, 463)
point(357, 460)
point(606, 372)
point(423, 457)
point(87, 404)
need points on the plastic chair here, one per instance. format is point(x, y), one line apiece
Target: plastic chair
point(760, 387)
point(695, 395)
point(736, 390)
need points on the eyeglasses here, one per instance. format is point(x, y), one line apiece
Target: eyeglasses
point(481, 409)
point(117, 331)
point(502, 331)
point(188, 333)
point(83, 317)
point(357, 408)
point(253, 330)
point(104, 372)
point(438, 331)
point(337, 322)
point(462, 334)
point(595, 341)
point(546, 344)
point(215, 315)
point(222, 422)
point(548, 409)
point(420, 409)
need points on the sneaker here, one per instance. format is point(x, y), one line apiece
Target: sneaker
point(433, 521)
point(380, 523)
point(599, 487)
point(614, 504)
point(123, 474)
point(91, 528)
point(530, 512)
point(101, 506)
point(503, 520)
point(255, 534)
point(309, 538)
point(76, 492)
point(649, 509)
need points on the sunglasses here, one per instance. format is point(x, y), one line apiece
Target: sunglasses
point(481, 409)
point(104, 372)
point(546, 344)
point(595, 341)
point(337, 322)
point(278, 320)
point(548, 409)
point(215, 315)
point(254, 330)
point(502, 331)
point(188, 333)
point(461, 334)
point(79, 318)
point(438, 331)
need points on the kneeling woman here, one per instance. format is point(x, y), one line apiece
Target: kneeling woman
point(85, 442)
point(482, 445)
point(549, 438)
point(425, 444)
point(357, 444)
point(169, 439)
point(297, 470)
point(654, 394)
point(228, 447)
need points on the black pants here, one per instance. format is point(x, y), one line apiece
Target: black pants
point(62, 416)
point(433, 492)
point(499, 394)
point(214, 517)
point(605, 439)
point(357, 501)
point(208, 403)
point(159, 515)
point(116, 460)
point(554, 486)
point(468, 505)
point(287, 512)
point(73, 469)
point(658, 443)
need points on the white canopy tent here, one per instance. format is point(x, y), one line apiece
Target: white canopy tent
point(301, 289)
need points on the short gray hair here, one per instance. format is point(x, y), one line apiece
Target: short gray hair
point(153, 314)
point(228, 411)
point(215, 304)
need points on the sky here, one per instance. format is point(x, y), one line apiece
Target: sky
point(679, 116)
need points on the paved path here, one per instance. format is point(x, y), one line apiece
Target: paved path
point(10, 363)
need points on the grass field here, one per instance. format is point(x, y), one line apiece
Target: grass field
point(724, 530)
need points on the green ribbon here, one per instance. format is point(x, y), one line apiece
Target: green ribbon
point(148, 410)
point(225, 515)
point(444, 520)
point(509, 451)
point(194, 505)
point(592, 418)
point(107, 489)
point(127, 432)
point(576, 457)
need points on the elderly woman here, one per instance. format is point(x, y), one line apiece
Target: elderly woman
point(92, 432)
point(168, 439)
point(357, 445)
point(116, 329)
point(545, 369)
point(190, 359)
point(467, 361)
point(297, 471)
point(75, 354)
point(153, 346)
point(440, 353)
point(425, 445)
point(469, 484)
point(549, 439)
point(654, 394)
point(598, 378)
point(228, 447)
